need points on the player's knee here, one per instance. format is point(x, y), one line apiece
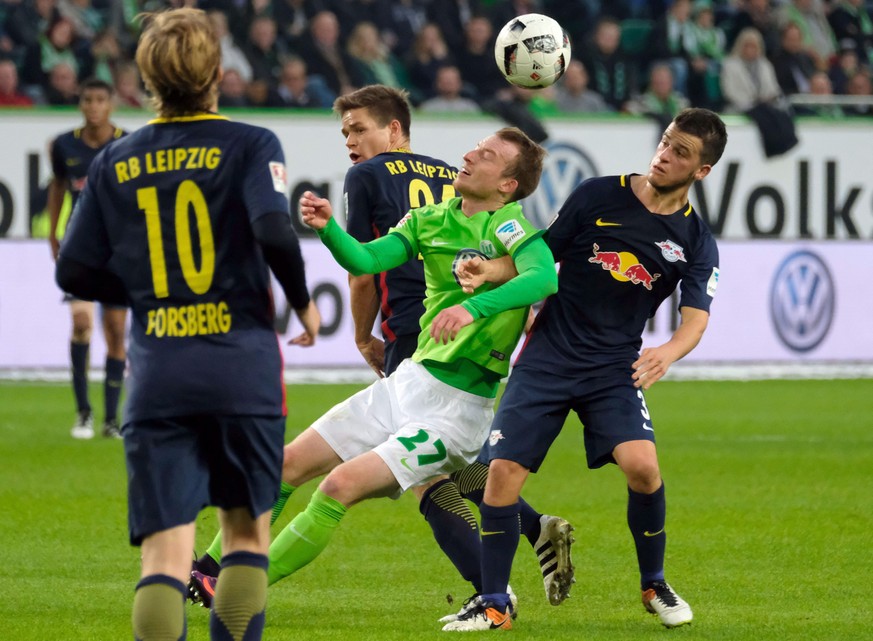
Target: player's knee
point(81, 328)
point(505, 480)
point(339, 486)
point(644, 477)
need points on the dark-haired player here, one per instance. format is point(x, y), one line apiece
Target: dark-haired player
point(71, 155)
point(624, 243)
point(184, 219)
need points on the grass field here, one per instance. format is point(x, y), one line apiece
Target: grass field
point(770, 522)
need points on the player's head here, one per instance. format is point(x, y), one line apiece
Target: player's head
point(95, 101)
point(375, 119)
point(179, 59)
point(506, 164)
point(688, 149)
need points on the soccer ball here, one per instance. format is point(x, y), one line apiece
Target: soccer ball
point(532, 51)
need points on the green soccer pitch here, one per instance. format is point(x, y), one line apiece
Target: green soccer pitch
point(770, 526)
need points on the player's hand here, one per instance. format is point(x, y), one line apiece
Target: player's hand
point(316, 211)
point(373, 351)
point(311, 319)
point(471, 274)
point(55, 245)
point(652, 364)
point(448, 323)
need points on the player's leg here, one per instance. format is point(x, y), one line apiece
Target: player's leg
point(159, 600)
point(114, 319)
point(528, 420)
point(618, 429)
point(82, 315)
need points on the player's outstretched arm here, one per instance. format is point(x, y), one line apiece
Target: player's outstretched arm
point(475, 272)
point(654, 362)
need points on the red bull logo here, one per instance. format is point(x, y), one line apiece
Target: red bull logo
point(623, 266)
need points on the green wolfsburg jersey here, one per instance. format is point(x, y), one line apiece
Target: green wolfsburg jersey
point(444, 237)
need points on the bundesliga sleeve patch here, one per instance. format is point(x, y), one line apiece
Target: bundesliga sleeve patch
point(280, 181)
point(510, 233)
point(712, 283)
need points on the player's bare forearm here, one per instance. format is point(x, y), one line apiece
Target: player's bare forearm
point(310, 318)
point(56, 190)
point(654, 362)
point(365, 309)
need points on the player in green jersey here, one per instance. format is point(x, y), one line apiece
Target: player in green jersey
point(432, 415)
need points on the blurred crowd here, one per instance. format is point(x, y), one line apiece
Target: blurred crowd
point(637, 56)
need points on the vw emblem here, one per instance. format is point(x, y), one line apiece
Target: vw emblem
point(802, 301)
point(564, 167)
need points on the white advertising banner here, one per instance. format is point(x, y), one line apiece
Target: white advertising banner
point(820, 190)
point(777, 302)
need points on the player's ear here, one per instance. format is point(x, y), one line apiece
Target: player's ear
point(508, 186)
point(703, 172)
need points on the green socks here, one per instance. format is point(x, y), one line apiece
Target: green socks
point(305, 537)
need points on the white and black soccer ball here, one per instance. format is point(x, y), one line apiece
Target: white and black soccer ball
point(532, 51)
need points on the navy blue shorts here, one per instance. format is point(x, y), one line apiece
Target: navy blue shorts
point(399, 349)
point(177, 466)
point(535, 405)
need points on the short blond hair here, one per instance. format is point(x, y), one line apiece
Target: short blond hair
point(179, 59)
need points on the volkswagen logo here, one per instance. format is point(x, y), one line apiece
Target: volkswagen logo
point(802, 301)
point(564, 167)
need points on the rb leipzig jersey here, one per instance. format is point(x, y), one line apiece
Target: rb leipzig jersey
point(378, 193)
point(71, 158)
point(168, 209)
point(618, 262)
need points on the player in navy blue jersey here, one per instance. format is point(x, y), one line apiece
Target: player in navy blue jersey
point(183, 220)
point(71, 155)
point(624, 243)
point(385, 181)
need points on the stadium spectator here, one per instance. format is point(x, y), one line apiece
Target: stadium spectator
point(793, 65)
point(761, 15)
point(584, 352)
point(820, 85)
point(747, 76)
point(448, 98)
point(87, 20)
point(860, 85)
point(399, 23)
point(844, 67)
point(28, 20)
point(452, 17)
point(52, 48)
point(817, 37)
point(613, 74)
point(10, 96)
point(232, 56)
point(672, 40)
point(263, 50)
point(292, 19)
point(232, 90)
point(62, 87)
point(206, 410)
point(429, 53)
point(325, 55)
point(572, 94)
point(373, 62)
point(706, 48)
point(71, 156)
point(297, 90)
point(502, 12)
point(475, 59)
point(128, 86)
point(659, 101)
point(100, 59)
point(851, 22)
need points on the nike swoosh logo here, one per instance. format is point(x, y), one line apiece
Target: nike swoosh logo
point(602, 223)
point(405, 464)
point(647, 533)
point(298, 533)
point(499, 619)
point(440, 242)
point(484, 533)
point(646, 427)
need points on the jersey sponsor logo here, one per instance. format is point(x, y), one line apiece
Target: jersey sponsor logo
point(712, 283)
point(623, 266)
point(802, 301)
point(72, 162)
point(280, 179)
point(603, 223)
point(510, 233)
point(495, 437)
point(564, 167)
point(404, 220)
point(671, 251)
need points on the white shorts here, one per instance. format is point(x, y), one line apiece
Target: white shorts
point(418, 425)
